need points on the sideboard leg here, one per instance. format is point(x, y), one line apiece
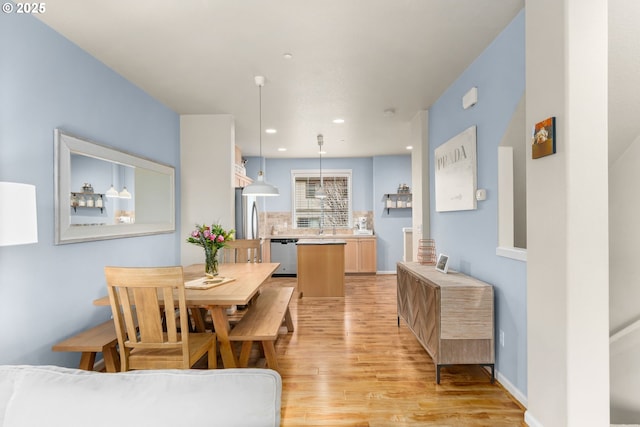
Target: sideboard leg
point(437, 374)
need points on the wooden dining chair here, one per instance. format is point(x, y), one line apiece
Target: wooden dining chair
point(144, 303)
point(242, 250)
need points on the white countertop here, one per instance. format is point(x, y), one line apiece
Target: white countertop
point(328, 236)
point(324, 241)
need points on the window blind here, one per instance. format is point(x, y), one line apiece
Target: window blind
point(332, 212)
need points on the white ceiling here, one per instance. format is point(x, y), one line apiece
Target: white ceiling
point(352, 59)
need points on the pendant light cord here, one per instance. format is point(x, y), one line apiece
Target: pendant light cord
point(260, 121)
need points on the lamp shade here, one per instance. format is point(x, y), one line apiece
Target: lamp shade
point(260, 188)
point(112, 192)
point(124, 194)
point(18, 215)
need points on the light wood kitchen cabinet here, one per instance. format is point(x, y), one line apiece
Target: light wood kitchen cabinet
point(240, 177)
point(451, 315)
point(321, 267)
point(241, 180)
point(360, 255)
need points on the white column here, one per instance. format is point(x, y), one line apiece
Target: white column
point(207, 152)
point(567, 214)
point(420, 180)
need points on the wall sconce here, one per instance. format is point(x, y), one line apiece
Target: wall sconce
point(18, 214)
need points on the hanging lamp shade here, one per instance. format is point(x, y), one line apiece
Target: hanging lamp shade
point(260, 187)
point(112, 192)
point(124, 194)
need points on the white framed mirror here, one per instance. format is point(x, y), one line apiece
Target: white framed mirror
point(103, 193)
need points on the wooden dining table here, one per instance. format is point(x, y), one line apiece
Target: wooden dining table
point(247, 279)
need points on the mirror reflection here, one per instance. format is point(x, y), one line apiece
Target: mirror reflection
point(102, 193)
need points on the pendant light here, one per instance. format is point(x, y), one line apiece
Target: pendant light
point(320, 193)
point(260, 187)
point(124, 194)
point(112, 192)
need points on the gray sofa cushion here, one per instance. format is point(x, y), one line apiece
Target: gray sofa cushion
point(45, 395)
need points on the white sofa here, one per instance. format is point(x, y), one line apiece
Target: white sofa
point(53, 396)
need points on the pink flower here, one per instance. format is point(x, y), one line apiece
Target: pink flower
point(195, 234)
point(207, 234)
point(212, 237)
point(220, 238)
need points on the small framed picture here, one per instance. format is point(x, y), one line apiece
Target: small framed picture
point(443, 263)
point(543, 140)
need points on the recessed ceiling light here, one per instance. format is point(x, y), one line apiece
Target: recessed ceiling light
point(272, 131)
point(338, 121)
point(409, 147)
point(282, 149)
point(287, 55)
point(390, 112)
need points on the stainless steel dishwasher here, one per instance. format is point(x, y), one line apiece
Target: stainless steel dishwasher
point(284, 251)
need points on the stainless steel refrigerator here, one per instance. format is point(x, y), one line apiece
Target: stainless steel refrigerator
point(246, 225)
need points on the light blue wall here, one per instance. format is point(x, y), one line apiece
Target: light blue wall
point(46, 82)
point(371, 178)
point(388, 173)
point(470, 237)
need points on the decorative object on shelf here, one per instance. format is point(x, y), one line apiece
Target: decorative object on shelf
point(398, 200)
point(391, 203)
point(427, 251)
point(543, 140)
point(87, 200)
point(87, 188)
point(403, 189)
point(210, 238)
point(260, 187)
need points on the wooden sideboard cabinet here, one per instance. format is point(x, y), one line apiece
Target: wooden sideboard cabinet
point(451, 315)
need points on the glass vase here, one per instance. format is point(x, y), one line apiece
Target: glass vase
point(211, 262)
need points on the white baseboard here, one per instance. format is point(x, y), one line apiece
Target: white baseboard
point(386, 272)
point(513, 390)
point(531, 421)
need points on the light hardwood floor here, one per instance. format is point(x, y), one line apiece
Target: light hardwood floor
point(349, 364)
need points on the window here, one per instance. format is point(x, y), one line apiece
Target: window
point(332, 212)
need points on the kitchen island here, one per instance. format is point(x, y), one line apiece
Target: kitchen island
point(321, 267)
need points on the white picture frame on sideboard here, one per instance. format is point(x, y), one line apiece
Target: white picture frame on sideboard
point(442, 265)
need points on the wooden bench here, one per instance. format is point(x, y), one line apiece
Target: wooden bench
point(101, 338)
point(262, 322)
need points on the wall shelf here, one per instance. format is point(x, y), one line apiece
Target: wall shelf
point(97, 198)
point(397, 201)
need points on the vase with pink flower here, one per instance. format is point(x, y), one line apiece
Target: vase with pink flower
point(211, 239)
